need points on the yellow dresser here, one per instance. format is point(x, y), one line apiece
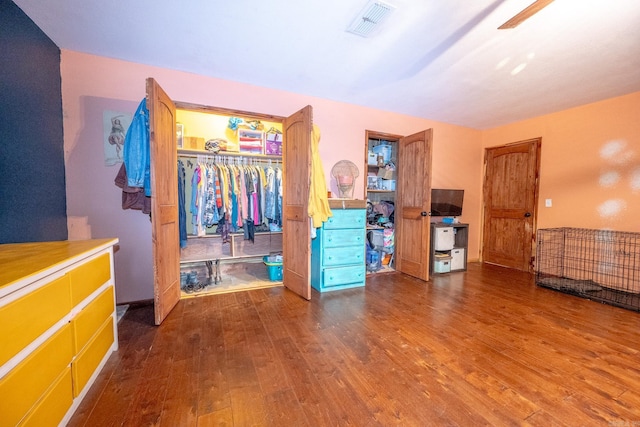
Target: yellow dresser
point(58, 327)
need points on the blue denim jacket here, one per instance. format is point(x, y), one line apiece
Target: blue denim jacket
point(136, 153)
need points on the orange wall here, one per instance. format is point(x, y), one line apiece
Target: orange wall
point(590, 163)
point(91, 84)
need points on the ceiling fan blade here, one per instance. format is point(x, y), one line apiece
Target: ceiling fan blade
point(527, 13)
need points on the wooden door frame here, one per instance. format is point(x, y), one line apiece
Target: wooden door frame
point(171, 294)
point(536, 191)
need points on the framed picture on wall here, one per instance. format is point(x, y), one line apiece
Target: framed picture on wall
point(115, 125)
point(179, 134)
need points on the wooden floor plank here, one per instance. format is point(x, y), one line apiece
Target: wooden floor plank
point(483, 347)
point(180, 406)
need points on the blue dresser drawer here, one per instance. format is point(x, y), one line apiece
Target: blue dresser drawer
point(349, 218)
point(343, 256)
point(343, 237)
point(343, 275)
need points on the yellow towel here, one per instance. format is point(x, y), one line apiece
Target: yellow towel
point(319, 210)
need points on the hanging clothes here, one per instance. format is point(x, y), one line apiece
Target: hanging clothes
point(134, 176)
point(254, 184)
point(278, 217)
point(234, 192)
point(132, 197)
point(182, 211)
point(271, 196)
point(319, 210)
point(136, 151)
point(234, 197)
point(194, 209)
point(211, 214)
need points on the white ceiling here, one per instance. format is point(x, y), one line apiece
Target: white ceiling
point(441, 60)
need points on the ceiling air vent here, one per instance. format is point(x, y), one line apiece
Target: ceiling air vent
point(370, 18)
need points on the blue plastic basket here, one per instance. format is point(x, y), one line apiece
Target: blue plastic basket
point(274, 269)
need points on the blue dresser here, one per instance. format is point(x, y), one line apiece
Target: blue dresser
point(338, 251)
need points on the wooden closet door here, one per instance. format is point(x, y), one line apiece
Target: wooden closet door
point(296, 242)
point(413, 204)
point(510, 200)
point(164, 200)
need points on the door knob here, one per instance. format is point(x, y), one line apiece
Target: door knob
point(423, 213)
point(527, 214)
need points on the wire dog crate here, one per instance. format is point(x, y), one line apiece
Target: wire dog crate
point(600, 265)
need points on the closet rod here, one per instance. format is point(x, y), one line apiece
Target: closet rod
point(230, 154)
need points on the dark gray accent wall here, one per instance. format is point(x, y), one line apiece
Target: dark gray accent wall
point(32, 181)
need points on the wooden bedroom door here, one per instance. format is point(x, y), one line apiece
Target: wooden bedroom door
point(413, 204)
point(510, 199)
point(296, 242)
point(164, 200)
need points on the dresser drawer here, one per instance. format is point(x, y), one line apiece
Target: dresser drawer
point(88, 277)
point(342, 275)
point(23, 386)
point(88, 321)
point(26, 318)
point(343, 237)
point(343, 256)
point(90, 357)
point(54, 405)
point(348, 218)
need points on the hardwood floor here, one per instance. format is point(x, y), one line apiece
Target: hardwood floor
point(485, 347)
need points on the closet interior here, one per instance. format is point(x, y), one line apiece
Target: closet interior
point(380, 193)
point(192, 129)
point(230, 186)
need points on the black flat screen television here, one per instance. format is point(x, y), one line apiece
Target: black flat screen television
point(445, 202)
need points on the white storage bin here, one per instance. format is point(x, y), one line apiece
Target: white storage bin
point(457, 259)
point(444, 238)
point(372, 158)
point(388, 184)
point(442, 264)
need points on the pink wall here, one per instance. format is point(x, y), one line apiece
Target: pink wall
point(91, 84)
point(590, 163)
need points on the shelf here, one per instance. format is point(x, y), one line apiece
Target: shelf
point(380, 191)
point(227, 260)
point(185, 152)
point(216, 235)
point(384, 269)
point(458, 262)
point(204, 249)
